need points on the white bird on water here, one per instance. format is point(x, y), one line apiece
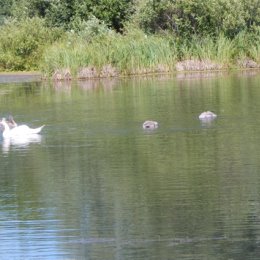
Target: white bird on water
point(20, 130)
point(149, 124)
point(10, 121)
point(208, 115)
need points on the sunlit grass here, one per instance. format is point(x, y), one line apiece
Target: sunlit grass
point(220, 50)
point(138, 53)
point(129, 54)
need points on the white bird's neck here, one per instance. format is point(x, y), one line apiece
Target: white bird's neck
point(6, 128)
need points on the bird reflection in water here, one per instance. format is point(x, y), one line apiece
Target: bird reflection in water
point(19, 142)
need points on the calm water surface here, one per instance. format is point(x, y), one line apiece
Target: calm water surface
point(95, 185)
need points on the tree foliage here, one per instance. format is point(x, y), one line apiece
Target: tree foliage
point(5, 9)
point(200, 17)
point(62, 13)
point(182, 18)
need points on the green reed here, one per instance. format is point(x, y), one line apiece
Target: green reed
point(137, 53)
point(220, 50)
point(130, 54)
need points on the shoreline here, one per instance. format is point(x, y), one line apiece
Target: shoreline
point(185, 66)
point(20, 76)
point(27, 76)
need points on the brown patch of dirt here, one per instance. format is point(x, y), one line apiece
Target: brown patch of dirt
point(62, 74)
point(197, 65)
point(108, 71)
point(247, 63)
point(87, 73)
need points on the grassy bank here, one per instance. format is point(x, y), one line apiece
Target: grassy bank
point(86, 39)
point(110, 55)
point(98, 51)
point(136, 53)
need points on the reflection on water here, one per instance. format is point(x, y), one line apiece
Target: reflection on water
point(96, 185)
point(92, 84)
point(19, 142)
point(23, 77)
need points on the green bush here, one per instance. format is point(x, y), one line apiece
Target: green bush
point(198, 17)
point(112, 12)
point(88, 29)
point(22, 43)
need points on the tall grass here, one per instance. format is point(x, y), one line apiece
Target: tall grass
point(220, 50)
point(254, 48)
point(130, 54)
point(255, 52)
point(138, 53)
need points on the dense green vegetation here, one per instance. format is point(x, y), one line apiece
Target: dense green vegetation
point(110, 37)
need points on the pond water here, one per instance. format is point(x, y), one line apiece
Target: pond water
point(95, 185)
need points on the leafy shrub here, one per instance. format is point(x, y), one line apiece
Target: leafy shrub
point(88, 29)
point(198, 17)
point(22, 43)
point(112, 12)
